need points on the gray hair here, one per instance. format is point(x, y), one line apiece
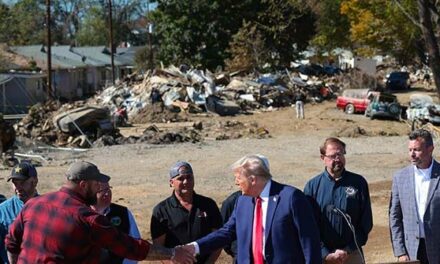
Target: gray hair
point(256, 164)
point(424, 134)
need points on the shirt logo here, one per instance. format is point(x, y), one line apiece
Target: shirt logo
point(203, 214)
point(116, 221)
point(350, 191)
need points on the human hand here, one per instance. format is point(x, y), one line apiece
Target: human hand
point(332, 258)
point(403, 258)
point(342, 255)
point(184, 254)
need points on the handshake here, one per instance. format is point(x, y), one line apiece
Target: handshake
point(185, 254)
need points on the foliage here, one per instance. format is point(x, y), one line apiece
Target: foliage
point(378, 26)
point(332, 27)
point(200, 31)
point(144, 60)
point(247, 49)
point(93, 30)
point(22, 23)
point(287, 27)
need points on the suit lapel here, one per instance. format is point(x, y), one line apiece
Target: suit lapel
point(433, 183)
point(272, 204)
point(412, 190)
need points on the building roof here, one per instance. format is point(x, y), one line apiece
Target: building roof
point(61, 56)
point(126, 55)
point(67, 57)
point(6, 77)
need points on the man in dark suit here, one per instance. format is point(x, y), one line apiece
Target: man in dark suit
point(415, 203)
point(273, 222)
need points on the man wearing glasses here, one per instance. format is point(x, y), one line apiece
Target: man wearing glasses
point(185, 216)
point(119, 216)
point(24, 182)
point(339, 197)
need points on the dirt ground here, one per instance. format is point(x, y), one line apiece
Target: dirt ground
point(375, 149)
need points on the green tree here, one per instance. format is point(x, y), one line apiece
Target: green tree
point(93, 29)
point(247, 49)
point(287, 27)
point(27, 23)
point(199, 32)
point(144, 59)
point(6, 20)
point(332, 27)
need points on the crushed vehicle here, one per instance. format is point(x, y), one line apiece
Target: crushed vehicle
point(383, 105)
point(87, 119)
point(354, 100)
point(398, 81)
point(422, 108)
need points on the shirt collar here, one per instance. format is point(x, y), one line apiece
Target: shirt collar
point(425, 173)
point(330, 178)
point(72, 193)
point(266, 190)
point(175, 202)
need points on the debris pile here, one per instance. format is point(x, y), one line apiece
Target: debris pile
point(172, 95)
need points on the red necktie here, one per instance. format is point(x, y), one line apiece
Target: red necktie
point(257, 233)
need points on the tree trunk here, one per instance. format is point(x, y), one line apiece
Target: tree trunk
point(430, 41)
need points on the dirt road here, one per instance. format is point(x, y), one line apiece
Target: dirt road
point(139, 172)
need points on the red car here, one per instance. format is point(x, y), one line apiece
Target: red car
point(354, 100)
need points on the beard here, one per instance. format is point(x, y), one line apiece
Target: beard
point(337, 167)
point(90, 198)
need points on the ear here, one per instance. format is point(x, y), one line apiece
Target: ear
point(322, 157)
point(35, 182)
point(171, 182)
point(82, 184)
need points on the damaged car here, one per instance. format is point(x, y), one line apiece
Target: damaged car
point(383, 105)
point(422, 108)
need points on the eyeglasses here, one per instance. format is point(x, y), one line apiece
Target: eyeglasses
point(335, 156)
point(106, 190)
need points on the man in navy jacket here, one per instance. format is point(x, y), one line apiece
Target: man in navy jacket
point(290, 231)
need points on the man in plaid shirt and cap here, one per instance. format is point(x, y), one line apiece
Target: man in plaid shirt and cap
point(60, 227)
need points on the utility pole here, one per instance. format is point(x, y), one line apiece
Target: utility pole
point(150, 37)
point(49, 51)
point(111, 40)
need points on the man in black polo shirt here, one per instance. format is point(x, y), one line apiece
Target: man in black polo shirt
point(185, 216)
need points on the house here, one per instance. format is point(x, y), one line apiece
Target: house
point(20, 91)
point(68, 77)
point(80, 71)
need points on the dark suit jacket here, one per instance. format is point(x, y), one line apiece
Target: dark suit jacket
point(291, 232)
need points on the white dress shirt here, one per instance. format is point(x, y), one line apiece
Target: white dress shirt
point(264, 203)
point(422, 178)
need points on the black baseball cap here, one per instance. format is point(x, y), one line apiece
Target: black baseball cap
point(23, 171)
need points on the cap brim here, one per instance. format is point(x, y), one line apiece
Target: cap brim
point(18, 177)
point(103, 178)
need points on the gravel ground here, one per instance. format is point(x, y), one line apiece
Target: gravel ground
point(140, 172)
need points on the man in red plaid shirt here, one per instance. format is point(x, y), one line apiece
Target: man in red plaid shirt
point(60, 227)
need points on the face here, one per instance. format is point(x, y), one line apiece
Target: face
point(243, 182)
point(420, 155)
point(104, 195)
point(25, 189)
point(91, 190)
point(334, 159)
point(183, 183)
